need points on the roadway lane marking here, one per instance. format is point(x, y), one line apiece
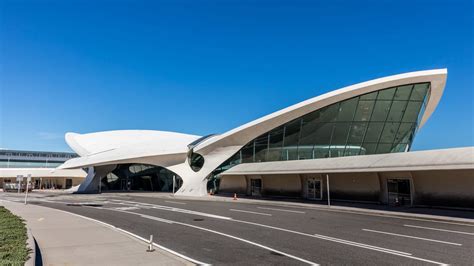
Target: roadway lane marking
point(173, 209)
point(197, 262)
point(259, 213)
point(218, 233)
point(175, 202)
point(438, 229)
point(127, 208)
point(346, 242)
point(414, 237)
point(283, 210)
point(361, 245)
point(375, 214)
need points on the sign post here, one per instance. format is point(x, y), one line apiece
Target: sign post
point(28, 180)
point(19, 178)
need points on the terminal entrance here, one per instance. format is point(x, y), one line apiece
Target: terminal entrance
point(140, 177)
point(399, 193)
point(256, 187)
point(313, 189)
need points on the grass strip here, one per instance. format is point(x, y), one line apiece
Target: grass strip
point(13, 239)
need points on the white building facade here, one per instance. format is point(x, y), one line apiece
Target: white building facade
point(380, 116)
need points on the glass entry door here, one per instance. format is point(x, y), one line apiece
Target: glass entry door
point(313, 189)
point(399, 193)
point(256, 187)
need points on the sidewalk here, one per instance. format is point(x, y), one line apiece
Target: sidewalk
point(67, 239)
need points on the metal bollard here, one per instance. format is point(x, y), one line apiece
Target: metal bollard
point(150, 245)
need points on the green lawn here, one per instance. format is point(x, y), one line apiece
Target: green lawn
point(13, 246)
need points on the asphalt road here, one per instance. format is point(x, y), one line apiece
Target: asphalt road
point(269, 234)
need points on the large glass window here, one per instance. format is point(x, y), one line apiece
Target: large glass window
point(378, 122)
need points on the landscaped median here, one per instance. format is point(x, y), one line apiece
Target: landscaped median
point(13, 239)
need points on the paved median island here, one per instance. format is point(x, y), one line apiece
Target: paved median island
point(68, 239)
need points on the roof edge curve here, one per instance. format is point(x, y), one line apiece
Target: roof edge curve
point(244, 133)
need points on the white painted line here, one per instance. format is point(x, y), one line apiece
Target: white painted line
point(351, 243)
point(438, 229)
point(127, 208)
point(283, 210)
point(259, 213)
point(173, 209)
point(219, 233)
point(175, 202)
point(375, 214)
point(414, 237)
point(132, 234)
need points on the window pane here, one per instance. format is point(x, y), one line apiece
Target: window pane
point(368, 148)
point(380, 111)
point(329, 114)
point(412, 111)
point(403, 92)
point(386, 94)
point(356, 133)
point(305, 152)
point(260, 152)
point(369, 96)
point(321, 151)
point(419, 92)
point(389, 131)
point(404, 132)
point(321, 137)
point(352, 150)
point(364, 110)
point(276, 142)
point(261, 145)
point(292, 131)
point(339, 136)
point(396, 111)
point(373, 132)
point(384, 148)
point(247, 153)
point(347, 110)
point(336, 150)
point(399, 148)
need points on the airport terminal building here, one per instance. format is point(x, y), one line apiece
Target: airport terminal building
point(41, 166)
point(354, 141)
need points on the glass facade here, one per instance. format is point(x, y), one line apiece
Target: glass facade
point(33, 159)
point(383, 121)
point(140, 177)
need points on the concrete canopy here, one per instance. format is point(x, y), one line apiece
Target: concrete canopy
point(446, 159)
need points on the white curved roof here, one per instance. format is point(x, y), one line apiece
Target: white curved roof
point(168, 148)
point(114, 146)
point(245, 133)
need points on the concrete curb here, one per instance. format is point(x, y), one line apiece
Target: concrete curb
point(32, 247)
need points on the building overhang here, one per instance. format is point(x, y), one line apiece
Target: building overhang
point(41, 172)
point(445, 159)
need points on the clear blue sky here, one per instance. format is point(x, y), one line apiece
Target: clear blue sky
point(205, 67)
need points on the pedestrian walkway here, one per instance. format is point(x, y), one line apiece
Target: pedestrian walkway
point(67, 239)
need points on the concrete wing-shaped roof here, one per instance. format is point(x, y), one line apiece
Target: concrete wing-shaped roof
point(245, 133)
point(110, 147)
